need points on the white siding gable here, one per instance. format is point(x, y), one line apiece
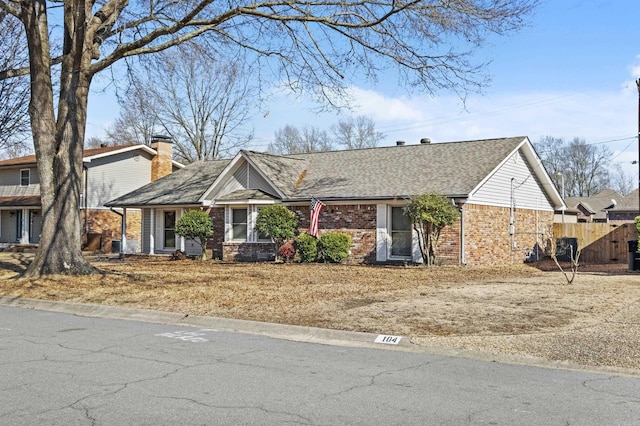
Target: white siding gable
point(241, 176)
point(513, 182)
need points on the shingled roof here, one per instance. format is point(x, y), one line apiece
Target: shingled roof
point(182, 187)
point(31, 159)
point(453, 168)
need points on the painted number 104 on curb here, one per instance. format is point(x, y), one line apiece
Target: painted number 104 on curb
point(388, 340)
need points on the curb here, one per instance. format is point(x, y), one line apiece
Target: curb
point(274, 330)
point(296, 333)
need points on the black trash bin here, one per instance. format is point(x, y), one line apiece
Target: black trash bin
point(634, 256)
point(566, 249)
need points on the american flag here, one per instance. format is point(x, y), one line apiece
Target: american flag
point(316, 206)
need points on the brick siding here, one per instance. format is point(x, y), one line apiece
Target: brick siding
point(486, 228)
point(101, 227)
point(487, 238)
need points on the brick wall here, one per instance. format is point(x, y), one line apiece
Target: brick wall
point(487, 238)
point(215, 243)
point(101, 227)
point(356, 220)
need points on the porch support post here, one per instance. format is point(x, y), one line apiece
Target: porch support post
point(152, 231)
point(123, 245)
point(181, 242)
point(24, 238)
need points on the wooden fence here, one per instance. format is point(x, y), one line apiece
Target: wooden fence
point(599, 242)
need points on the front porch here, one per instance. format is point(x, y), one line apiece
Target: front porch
point(20, 226)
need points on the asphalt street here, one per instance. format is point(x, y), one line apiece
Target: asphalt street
point(59, 368)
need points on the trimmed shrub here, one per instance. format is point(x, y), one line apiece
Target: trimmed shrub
point(335, 247)
point(279, 223)
point(307, 247)
point(196, 225)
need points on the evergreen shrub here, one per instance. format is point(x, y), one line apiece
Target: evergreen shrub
point(335, 247)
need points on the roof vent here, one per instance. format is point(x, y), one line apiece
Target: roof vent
point(425, 140)
point(399, 143)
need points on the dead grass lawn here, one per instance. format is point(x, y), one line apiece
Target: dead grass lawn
point(412, 301)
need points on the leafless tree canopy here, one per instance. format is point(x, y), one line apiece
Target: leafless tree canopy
point(14, 93)
point(291, 140)
point(202, 101)
point(319, 47)
point(356, 132)
point(584, 168)
point(137, 122)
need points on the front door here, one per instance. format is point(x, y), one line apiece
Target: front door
point(401, 233)
point(35, 226)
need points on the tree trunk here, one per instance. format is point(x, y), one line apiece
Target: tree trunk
point(58, 144)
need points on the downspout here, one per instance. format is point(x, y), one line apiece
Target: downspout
point(84, 202)
point(123, 231)
point(463, 261)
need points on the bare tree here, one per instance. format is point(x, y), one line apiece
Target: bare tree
point(584, 168)
point(96, 142)
point(137, 122)
point(291, 140)
point(202, 102)
point(356, 133)
point(14, 93)
point(310, 46)
point(621, 181)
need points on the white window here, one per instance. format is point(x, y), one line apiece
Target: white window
point(169, 228)
point(239, 224)
point(25, 177)
point(401, 233)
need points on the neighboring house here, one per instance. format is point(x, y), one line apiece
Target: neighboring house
point(626, 209)
point(596, 207)
point(505, 197)
point(108, 173)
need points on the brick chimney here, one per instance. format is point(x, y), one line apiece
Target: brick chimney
point(161, 163)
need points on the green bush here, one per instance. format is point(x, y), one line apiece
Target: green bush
point(638, 225)
point(196, 225)
point(335, 247)
point(307, 247)
point(279, 223)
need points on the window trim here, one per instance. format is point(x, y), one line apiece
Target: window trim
point(22, 177)
point(245, 223)
point(391, 231)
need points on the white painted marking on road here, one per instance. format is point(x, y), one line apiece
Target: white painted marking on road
point(185, 336)
point(388, 340)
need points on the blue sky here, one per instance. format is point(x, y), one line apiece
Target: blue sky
point(569, 73)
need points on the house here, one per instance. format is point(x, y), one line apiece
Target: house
point(505, 196)
point(108, 173)
point(594, 208)
point(626, 209)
